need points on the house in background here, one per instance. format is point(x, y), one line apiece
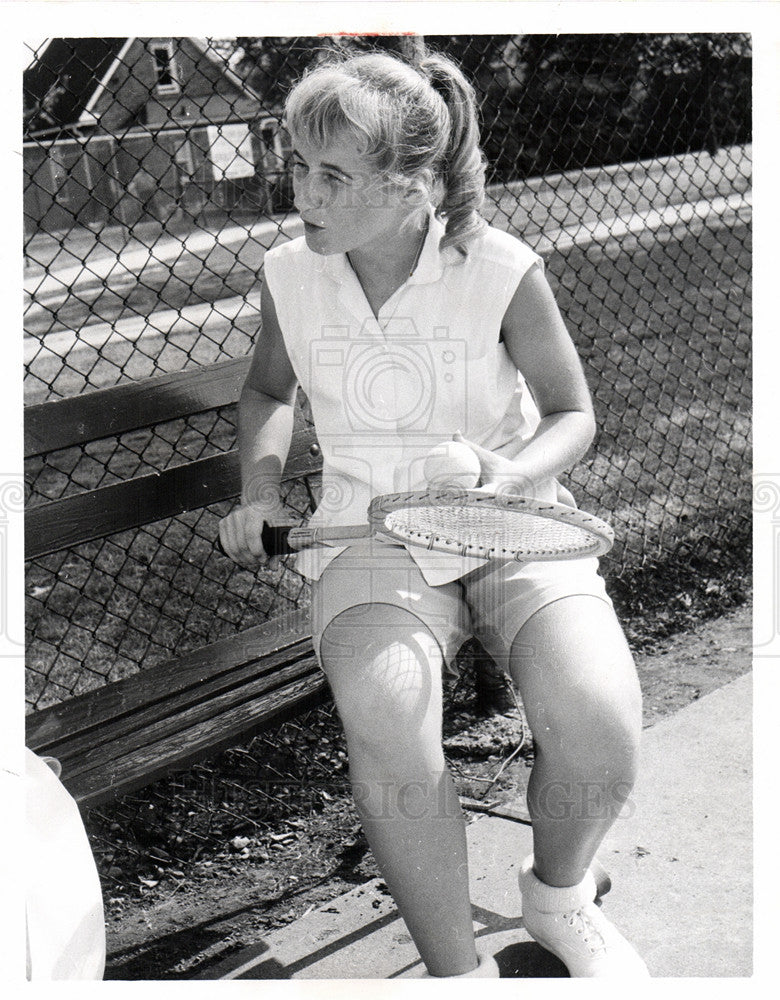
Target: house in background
point(62, 71)
point(132, 129)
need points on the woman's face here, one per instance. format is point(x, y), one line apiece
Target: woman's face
point(344, 203)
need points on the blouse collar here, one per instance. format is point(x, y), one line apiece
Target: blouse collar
point(430, 264)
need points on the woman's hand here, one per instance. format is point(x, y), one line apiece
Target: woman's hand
point(241, 533)
point(505, 476)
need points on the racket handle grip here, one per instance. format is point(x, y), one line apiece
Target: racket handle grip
point(275, 541)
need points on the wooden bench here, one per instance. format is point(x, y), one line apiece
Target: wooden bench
point(132, 731)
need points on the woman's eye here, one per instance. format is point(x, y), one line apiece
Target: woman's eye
point(301, 170)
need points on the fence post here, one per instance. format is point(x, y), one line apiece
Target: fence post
point(119, 192)
point(413, 47)
point(712, 132)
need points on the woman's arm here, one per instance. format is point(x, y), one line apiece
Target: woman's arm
point(265, 421)
point(539, 344)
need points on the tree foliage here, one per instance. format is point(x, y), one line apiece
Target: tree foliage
point(556, 102)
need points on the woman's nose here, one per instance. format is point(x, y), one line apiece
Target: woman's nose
point(308, 194)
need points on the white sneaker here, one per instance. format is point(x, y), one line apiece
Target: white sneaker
point(568, 923)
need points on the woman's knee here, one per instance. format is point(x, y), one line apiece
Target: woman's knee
point(384, 668)
point(579, 684)
point(593, 742)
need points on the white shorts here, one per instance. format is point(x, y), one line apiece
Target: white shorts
point(491, 603)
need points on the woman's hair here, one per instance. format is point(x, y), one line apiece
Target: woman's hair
point(412, 122)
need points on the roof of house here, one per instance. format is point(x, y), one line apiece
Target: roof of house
point(62, 78)
point(227, 71)
point(68, 76)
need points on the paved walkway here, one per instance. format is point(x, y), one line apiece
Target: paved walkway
point(680, 859)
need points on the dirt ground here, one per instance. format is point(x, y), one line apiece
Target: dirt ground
point(179, 923)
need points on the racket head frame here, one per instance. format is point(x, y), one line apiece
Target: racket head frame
point(600, 536)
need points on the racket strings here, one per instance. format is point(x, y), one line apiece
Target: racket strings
point(475, 528)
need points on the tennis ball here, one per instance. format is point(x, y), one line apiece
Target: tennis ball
point(451, 464)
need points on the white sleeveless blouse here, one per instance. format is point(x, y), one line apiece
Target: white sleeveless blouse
point(384, 390)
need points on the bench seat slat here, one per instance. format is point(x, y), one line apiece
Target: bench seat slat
point(180, 710)
point(124, 736)
point(152, 761)
point(141, 729)
point(67, 720)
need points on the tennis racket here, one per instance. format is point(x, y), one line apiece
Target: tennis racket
point(463, 523)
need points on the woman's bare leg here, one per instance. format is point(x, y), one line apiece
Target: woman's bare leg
point(386, 681)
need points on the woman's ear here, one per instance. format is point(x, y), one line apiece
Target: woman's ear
point(417, 194)
point(419, 189)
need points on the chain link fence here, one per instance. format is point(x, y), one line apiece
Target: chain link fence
point(156, 177)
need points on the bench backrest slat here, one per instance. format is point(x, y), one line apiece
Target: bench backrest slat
point(103, 413)
point(97, 513)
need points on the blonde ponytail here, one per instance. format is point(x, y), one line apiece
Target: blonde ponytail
point(463, 173)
